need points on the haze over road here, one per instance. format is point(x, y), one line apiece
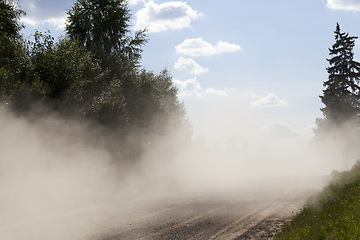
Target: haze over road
point(239, 214)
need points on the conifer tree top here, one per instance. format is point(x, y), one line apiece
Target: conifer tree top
point(342, 92)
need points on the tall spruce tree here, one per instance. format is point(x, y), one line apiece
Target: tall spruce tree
point(338, 130)
point(341, 95)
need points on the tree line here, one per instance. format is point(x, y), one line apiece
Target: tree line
point(93, 73)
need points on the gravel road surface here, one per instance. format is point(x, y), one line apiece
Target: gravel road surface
point(256, 213)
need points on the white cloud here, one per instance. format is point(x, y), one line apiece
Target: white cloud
point(269, 101)
point(59, 22)
point(190, 66)
point(198, 47)
point(212, 91)
point(352, 5)
point(168, 15)
point(136, 2)
point(191, 88)
point(40, 12)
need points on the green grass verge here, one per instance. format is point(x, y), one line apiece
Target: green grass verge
point(332, 214)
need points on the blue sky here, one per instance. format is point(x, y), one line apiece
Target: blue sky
point(242, 67)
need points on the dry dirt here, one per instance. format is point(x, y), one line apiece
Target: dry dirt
point(242, 214)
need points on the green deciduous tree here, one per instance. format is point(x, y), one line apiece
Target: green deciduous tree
point(58, 74)
point(68, 72)
point(12, 48)
point(132, 98)
point(102, 27)
point(93, 73)
point(9, 32)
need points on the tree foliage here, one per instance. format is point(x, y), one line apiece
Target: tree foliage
point(11, 47)
point(102, 27)
point(9, 32)
point(341, 97)
point(341, 94)
point(92, 73)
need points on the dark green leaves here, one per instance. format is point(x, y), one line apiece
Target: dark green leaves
point(102, 27)
point(92, 73)
point(9, 32)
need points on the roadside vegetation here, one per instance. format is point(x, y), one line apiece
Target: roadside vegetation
point(332, 214)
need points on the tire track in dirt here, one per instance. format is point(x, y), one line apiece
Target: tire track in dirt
point(276, 207)
point(213, 217)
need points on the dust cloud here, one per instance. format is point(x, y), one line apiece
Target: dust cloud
point(51, 166)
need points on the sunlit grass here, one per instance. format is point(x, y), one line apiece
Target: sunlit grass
point(332, 214)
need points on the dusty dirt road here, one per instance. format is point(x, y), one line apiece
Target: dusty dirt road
point(238, 214)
